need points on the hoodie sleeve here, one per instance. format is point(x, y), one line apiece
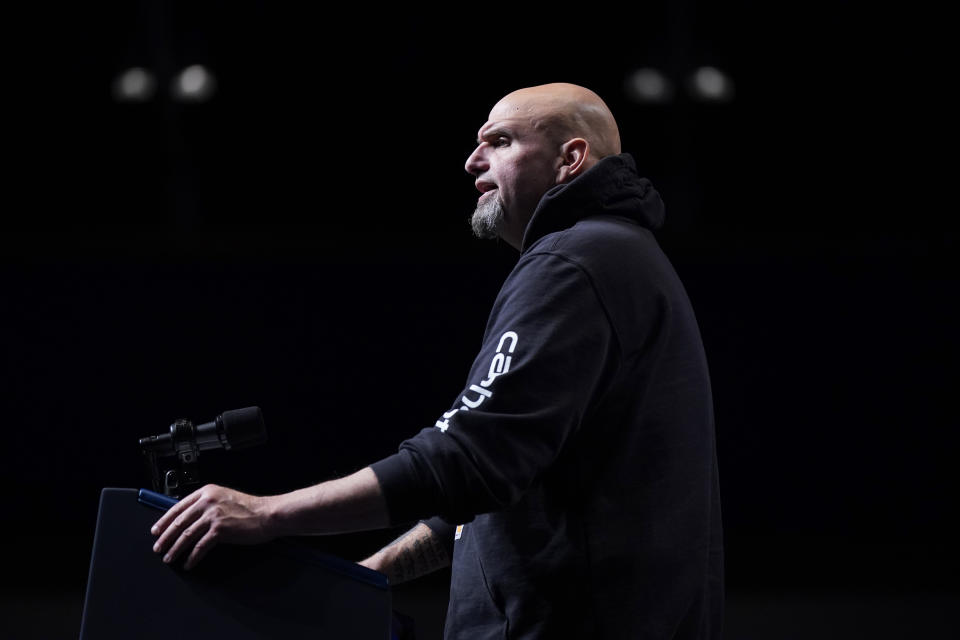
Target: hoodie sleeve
point(547, 348)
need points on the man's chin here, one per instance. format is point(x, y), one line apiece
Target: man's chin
point(487, 219)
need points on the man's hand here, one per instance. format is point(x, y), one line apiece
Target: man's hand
point(207, 517)
point(214, 514)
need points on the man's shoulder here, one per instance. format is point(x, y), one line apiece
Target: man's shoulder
point(600, 240)
point(619, 258)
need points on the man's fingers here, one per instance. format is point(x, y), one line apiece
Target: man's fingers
point(204, 519)
point(176, 526)
point(198, 529)
point(207, 542)
point(161, 525)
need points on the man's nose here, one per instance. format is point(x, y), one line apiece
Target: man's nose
point(477, 162)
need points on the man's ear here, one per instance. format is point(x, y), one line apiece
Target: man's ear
point(573, 159)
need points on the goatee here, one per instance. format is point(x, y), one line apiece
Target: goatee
point(487, 218)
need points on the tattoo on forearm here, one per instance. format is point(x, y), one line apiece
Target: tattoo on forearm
point(418, 552)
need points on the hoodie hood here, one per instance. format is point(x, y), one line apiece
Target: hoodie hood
point(611, 187)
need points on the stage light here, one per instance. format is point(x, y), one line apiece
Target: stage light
point(134, 85)
point(193, 84)
point(709, 84)
point(648, 86)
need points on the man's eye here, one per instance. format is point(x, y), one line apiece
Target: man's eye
point(501, 142)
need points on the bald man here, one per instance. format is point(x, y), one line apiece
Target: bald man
point(573, 482)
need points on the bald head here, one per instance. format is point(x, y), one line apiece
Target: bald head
point(565, 111)
point(535, 139)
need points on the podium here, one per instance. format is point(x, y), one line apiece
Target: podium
point(281, 589)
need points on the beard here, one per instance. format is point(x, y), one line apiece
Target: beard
point(487, 218)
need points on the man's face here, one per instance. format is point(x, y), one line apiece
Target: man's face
point(514, 164)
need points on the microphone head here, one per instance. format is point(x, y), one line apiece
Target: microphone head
point(244, 427)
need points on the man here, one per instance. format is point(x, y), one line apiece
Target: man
point(573, 484)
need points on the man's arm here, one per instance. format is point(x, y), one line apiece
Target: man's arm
point(414, 554)
point(213, 514)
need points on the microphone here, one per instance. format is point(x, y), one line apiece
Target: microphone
point(236, 429)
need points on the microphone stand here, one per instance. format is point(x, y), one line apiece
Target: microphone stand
point(184, 477)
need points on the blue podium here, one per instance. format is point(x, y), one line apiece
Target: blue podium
point(277, 590)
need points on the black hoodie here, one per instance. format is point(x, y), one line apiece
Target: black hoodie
point(580, 458)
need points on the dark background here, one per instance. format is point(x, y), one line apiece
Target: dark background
point(299, 242)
